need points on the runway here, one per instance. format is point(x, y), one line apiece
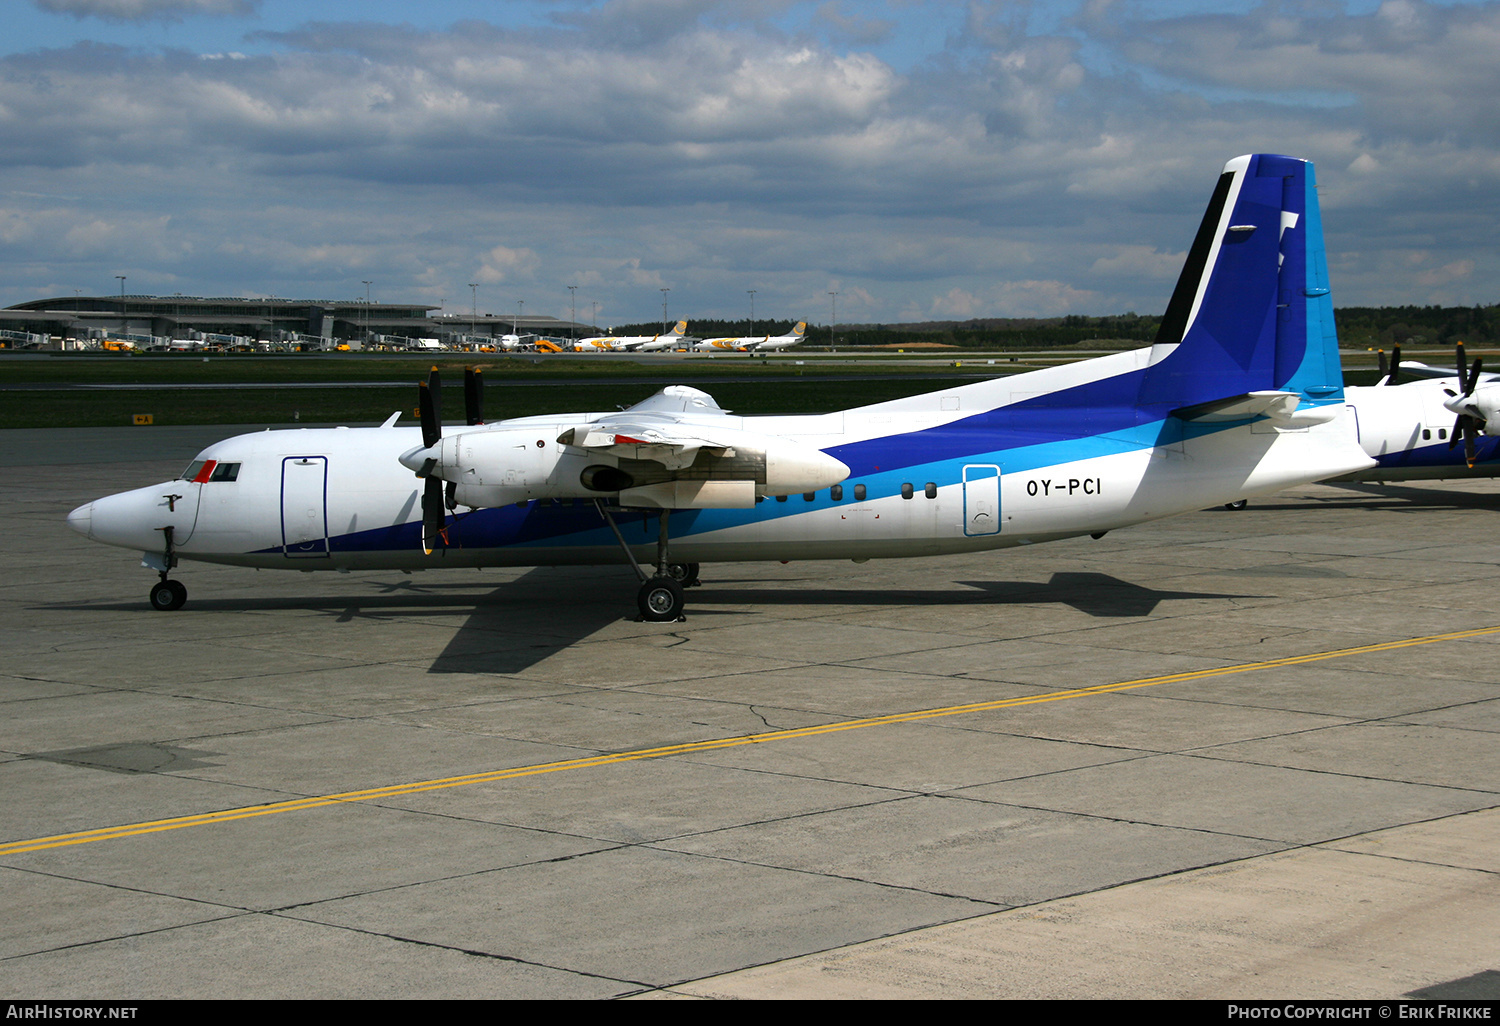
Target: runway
point(1228, 755)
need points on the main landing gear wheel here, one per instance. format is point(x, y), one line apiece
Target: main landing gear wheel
point(660, 600)
point(168, 595)
point(685, 574)
point(1237, 504)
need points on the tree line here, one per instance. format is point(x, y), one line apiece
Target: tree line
point(1358, 327)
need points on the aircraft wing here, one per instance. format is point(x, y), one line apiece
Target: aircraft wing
point(1422, 370)
point(667, 444)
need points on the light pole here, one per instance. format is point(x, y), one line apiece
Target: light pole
point(474, 308)
point(124, 321)
point(520, 305)
point(573, 312)
point(752, 310)
point(367, 312)
point(664, 310)
point(833, 318)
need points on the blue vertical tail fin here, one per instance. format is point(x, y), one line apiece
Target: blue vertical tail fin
point(1251, 311)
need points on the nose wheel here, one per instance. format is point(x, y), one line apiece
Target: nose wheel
point(168, 595)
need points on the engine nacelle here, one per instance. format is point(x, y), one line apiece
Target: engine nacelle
point(501, 466)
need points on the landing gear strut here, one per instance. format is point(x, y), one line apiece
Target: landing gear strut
point(167, 595)
point(660, 598)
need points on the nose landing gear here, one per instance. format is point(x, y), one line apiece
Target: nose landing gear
point(168, 595)
point(165, 595)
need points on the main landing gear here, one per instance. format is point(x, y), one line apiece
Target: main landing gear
point(660, 598)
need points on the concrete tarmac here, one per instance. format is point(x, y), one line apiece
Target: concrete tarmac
point(1060, 771)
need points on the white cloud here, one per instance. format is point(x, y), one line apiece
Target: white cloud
point(504, 264)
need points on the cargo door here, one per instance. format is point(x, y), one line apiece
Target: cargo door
point(304, 506)
point(981, 499)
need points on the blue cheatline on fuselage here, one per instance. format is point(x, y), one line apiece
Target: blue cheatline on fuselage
point(542, 523)
point(1440, 454)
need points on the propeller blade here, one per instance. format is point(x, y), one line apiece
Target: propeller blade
point(432, 515)
point(1395, 364)
point(1463, 367)
point(1474, 375)
point(1457, 432)
point(473, 396)
point(1384, 370)
point(1469, 434)
point(430, 409)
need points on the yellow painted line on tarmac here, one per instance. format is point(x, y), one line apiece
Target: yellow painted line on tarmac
point(691, 747)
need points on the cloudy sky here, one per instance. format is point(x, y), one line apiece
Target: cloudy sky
point(923, 159)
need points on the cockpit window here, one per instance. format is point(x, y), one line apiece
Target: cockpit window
point(201, 471)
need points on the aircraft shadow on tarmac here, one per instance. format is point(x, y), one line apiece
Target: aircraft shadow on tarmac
point(496, 640)
point(1387, 497)
point(517, 625)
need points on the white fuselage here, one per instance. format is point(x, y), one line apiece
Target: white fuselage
point(340, 499)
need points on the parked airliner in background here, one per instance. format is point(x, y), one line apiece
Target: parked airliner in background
point(755, 343)
point(1444, 425)
point(1241, 395)
point(623, 343)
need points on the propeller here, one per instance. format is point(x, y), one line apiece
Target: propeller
point(1467, 425)
point(436, 498)
point(429, 408)
point(473, 396)
point(1389, 377)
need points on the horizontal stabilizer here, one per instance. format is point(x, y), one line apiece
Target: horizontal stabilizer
point(1279, 407)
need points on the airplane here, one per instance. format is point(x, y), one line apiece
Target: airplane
point(1241, 394)
point(620, 343)
point(755, 343)
point(1413, 431)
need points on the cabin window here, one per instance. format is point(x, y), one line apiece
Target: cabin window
point(1442, 432)
point(809, 496)
point(931, 490)
point(225, 472)
point(906, 489)
point(1426, 434)
point(859, 493)
point(781, 498)
point(836, 493)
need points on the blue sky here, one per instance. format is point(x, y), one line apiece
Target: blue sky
point(924, 160)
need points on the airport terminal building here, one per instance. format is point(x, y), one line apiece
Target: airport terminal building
point(267, 320)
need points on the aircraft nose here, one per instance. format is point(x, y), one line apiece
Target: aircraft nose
point(82, 519)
